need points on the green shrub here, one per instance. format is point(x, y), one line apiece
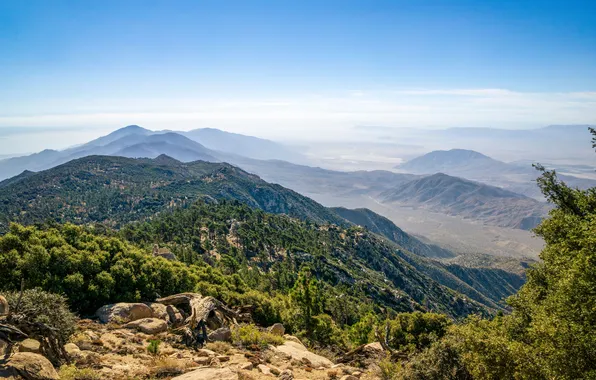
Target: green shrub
point(40, 306)
point(251, 335)
point(325, 332)
point(388, 369)
point(416, 331)
point(153, 347)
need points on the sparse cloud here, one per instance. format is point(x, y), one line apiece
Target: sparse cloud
point(326, 115)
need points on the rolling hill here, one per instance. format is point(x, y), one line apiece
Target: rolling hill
point(476, 166)
point(456, 196)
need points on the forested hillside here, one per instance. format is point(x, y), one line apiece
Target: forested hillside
point(116, 190)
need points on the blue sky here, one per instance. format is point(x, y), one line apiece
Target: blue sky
point(262, 66)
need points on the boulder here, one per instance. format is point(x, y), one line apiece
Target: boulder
point(72, 350)
point(299, 352)
point(292, 338)
point(3, 306)
point(176, 318)
point(223, 334)
point(150, 326)
point(264, 369)
point(29, 345)
point(159, 310)
point(286, 375)
point(209, 374)
point(123, 312)
point(29, 366)
point(277, 329)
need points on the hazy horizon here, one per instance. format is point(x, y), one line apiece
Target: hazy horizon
point(290, 71)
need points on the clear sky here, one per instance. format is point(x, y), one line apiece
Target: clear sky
point(272, 68)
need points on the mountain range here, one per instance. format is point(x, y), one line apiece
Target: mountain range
point(476, 166)
point(383, 186)
point(116, 191)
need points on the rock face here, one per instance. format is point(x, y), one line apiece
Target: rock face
point(29, 366)
point(174, 314)
point(223, 334)
point(29, 345)
point(123, 312)
point(209, 374)
point(3, 306)
point(159, 310)
point(149, 326)
point(277, 329)
point(299, 352)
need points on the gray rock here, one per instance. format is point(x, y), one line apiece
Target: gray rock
point(209, 374)
point(149, 326)
point(277, 329)
point(29, 366)
point(123, 312)
point(223, 334)
point(29, 345)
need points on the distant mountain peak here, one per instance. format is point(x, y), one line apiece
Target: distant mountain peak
point(164, 159)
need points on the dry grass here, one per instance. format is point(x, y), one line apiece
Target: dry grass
point(70, 372)
point(219, 347)
point(166, 367)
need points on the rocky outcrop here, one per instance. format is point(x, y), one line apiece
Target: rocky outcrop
point(299, 352)
point(123, 312)
point(150, 326)
point(28, 366)
point(209, 374)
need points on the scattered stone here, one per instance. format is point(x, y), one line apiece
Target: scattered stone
point(277, 329)
point(150, 326)
point(205, 360)
point(72, 350)
point(286, 375)
point(29, 366)
point(357, 373)
point(246, 366)
point(93, 336)
point(205, 352)
point(29, 345)
point(123, 312)
point(274, 370)
point(223, 358)
point(349, 377)
point(223, 334)
point(264, 369)
point(209, 374)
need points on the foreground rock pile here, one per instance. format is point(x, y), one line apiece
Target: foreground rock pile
point(138, 341)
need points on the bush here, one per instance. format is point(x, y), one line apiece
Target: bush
point(388, 369)
point(326, 333)
point(416, 331)
point(40, 306)
point(153, 347)
point(251, 335)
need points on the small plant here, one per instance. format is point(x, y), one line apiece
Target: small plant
point(250, 335)
point(70, 372)
point(153, 347)
point(219, 347)
point(388, 369)
point(167, 367)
